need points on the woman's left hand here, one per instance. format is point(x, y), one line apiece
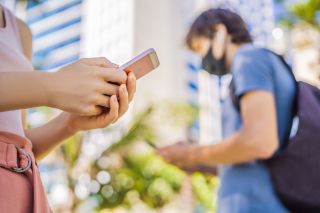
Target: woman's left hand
point(179, 154)
point(117, 109)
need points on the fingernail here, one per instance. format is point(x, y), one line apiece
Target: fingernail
point(132, 76)
point(123, 87)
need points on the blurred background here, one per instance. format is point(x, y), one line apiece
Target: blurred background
point(115, 169)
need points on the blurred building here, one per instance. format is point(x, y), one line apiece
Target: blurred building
point(56, 28)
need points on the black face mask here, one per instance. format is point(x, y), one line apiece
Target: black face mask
point(214, 66)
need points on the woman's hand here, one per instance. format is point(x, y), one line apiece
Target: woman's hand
point(48, 136)
point(108, 116)
point(84, 86)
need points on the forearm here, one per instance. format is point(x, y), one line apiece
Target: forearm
point(233, 149)
point(47, 137)
point(210, 170)
point(20, 90)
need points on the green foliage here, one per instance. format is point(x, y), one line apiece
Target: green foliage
point(151, 165)
point(143, 173)
point(139, 175)
point(307, 11)
point(182, 113)
point(154, 180)
point(304, 11)
point(203, 189)
point(71, 149)
point(140, 129)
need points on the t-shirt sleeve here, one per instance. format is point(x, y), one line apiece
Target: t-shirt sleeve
point(252, 71)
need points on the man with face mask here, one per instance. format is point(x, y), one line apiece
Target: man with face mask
point(254, 129)
point(213, 65)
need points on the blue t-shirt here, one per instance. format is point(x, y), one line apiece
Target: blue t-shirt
point(247, 187)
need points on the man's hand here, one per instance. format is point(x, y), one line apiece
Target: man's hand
point(179, 154)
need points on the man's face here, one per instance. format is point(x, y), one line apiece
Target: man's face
point(201, 45)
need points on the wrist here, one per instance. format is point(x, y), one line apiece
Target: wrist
point(44, 78)
point(68, 124)
point(194, 153)
point(47, 88)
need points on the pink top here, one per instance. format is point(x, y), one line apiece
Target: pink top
point(12, 59)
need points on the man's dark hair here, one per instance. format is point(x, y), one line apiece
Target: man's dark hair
point(205, 23)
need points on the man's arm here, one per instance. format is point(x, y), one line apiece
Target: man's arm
point(209, 170)
point(257, 139)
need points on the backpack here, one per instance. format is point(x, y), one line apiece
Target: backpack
point(295, 170)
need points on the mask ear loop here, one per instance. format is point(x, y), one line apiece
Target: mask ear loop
point(220, 36)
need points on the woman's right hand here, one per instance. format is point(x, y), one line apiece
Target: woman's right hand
point(84, 86)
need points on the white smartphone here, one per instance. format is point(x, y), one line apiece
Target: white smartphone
point(142, 63)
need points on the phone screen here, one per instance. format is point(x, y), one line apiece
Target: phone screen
point(142, 64)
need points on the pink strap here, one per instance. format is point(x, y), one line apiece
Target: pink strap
point(16, 154)
point(12, 157)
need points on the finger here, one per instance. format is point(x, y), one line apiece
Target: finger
point(91, 111)
point(113, 112)
point(167, 158)
point(131, 84)
point(112, 75)
point(162, 152)
point(124, 102)
point(167, 154)
point(108, 89)
point(103, 101)
point(99, 61)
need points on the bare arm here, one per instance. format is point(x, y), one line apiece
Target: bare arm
point(48, 136)
point(210, 170)
point(45, 137)
point(21, 90)
point(258, 138)
point(55, 130)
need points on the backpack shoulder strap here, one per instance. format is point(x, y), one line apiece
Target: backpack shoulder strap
point(283, 61)
point(290, 71)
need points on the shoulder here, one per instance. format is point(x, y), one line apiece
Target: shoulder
point(26, 37)
point(252, 70)
point(252, 53)
point(252, 58)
